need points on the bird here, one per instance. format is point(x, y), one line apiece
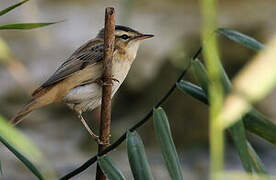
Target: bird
point(78, 82)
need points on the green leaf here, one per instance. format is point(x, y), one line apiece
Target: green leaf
point(200, 74)
point(12, 7)
point(241, 39)
point(257, 123)
point(137, 157)
point(109, 168)
point(256, 161)
point(238, 131)
point(192, 90)
point(22, 158)
point(166, 144)
point(25, 25)
point(238, 134)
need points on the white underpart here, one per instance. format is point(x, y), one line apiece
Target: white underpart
point(88, 97)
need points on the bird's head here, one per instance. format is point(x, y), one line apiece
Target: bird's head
point(127, 39)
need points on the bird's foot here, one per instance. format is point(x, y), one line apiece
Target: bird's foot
point(102, 142)
point(105, 83)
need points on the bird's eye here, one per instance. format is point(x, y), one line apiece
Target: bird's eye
point(124, 36)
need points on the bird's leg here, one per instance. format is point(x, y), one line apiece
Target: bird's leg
point(97, 139)
point(87, 127)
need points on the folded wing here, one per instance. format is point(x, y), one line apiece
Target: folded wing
point(76, 62)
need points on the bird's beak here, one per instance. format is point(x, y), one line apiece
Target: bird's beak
point(144, 36)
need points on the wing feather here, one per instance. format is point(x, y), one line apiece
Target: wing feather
point(76, 62)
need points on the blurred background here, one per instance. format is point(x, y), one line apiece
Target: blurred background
point(176, 25)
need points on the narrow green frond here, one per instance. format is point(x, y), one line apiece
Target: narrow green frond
point(137, 157)
point(25, 26)
point(12, 7)
point(109, 168)
point(241, 39)
point(166, 144)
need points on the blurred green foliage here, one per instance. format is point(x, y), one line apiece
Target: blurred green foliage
point(15, 141)
point(215, 90)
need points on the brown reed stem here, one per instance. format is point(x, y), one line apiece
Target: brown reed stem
point(109, 39)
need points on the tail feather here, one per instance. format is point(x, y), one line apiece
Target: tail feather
point(25, 111)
